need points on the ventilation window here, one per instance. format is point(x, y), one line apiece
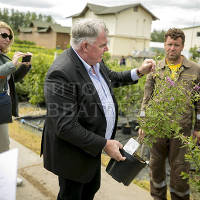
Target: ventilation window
point(198, 34)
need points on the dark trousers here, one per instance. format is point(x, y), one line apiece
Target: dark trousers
point(173, 150)
point(72, 190)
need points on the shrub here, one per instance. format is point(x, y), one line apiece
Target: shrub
point(165, 109)
point(31, 87)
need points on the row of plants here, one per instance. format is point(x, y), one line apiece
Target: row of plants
point(128, 97)
point(31, 87)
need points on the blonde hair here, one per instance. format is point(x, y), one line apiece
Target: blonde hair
point(4, 25)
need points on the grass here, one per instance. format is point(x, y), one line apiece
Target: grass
point(25, 136)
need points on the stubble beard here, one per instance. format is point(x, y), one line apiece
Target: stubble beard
point(173, 58)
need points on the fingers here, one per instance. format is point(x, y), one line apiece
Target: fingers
point(112, 149)
point(151, 62)
point(29, 53)
point(147, 66)
point(18, 55)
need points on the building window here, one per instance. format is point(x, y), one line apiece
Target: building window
point(135, 9)
point(198, 34)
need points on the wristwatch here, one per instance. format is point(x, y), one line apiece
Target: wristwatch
point(139, 74)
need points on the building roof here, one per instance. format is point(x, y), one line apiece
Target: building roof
point(40, 24)
point(104, 9)
point(190, 27)
point(25, 30)
point(60, 29)
point(44, 27)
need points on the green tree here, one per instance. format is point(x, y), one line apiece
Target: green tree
point(16, 18)
point(195, 54)
point(157, 36)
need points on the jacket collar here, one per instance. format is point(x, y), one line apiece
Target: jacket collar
point(185, 64)
point(84, 74)
point(5, 57)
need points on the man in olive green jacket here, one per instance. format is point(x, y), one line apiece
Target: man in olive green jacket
point(189, 71)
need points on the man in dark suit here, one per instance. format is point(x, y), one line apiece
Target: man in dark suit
point(82, 111)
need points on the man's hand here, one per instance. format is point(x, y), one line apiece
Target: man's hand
point(196, 134)
point(147, 66)
point(112, 149)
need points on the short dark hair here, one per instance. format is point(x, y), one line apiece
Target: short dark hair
point(175, 33)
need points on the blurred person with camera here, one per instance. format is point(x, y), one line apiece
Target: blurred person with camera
point(9, 74)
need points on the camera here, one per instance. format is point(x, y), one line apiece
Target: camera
point(26, 58)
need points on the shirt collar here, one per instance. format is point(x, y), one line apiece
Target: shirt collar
point(185, 63)
point(87, 66)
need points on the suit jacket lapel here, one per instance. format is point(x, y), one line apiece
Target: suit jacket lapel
point(84, 74)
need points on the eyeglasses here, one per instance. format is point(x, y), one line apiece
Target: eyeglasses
point(5, 35)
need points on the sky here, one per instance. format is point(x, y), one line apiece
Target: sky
point(171, 13)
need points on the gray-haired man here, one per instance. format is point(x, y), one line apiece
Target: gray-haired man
point(82, 111)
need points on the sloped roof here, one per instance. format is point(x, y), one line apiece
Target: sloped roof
point(104, 9)
point(190, 27)
point(41, 24)
point(60, 29)
point(45, 26)
point(25, 30)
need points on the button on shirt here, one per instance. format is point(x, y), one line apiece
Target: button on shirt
point(104, 94)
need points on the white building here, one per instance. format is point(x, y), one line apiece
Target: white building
point(129, 25)
point(192, 37)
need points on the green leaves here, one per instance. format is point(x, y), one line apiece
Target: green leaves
point(128, 97)
point(33, 83)
point(192, 156)
point(163, 115)
point(165, 109)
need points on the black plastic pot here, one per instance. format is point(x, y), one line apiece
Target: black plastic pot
point(126, 130)
point(134, 125)
point(125, 171)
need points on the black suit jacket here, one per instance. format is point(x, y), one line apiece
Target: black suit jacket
point(75, 126)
